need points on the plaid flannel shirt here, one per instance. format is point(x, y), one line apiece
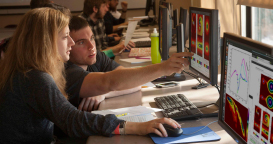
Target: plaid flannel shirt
point(98, 29)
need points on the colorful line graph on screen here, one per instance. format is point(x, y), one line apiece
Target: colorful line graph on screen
point(266, 92)
point(242, 75)
point(236, 113)
point(238, 73)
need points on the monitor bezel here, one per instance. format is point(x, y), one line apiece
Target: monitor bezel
point(213, 71)
point(185, 20)
point(263, 48)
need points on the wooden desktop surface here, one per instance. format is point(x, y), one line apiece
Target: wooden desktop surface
point(146, 96)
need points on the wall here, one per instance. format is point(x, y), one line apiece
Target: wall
point(229, 13)
point(14, 19)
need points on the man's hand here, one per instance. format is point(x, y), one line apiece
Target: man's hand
point(130, 45)
point(117, 38)
point(124, 6)
point(91, 103)
point(176, 63)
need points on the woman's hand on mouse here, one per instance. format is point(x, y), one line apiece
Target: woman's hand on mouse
point(153, 126)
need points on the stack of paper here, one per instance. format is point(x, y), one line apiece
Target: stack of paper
point(138, 34)
point(133, 114)
point(137, 60)
point(141, 39)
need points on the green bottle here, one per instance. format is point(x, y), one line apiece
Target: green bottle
point(155, 55)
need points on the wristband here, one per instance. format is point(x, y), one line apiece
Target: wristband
point(116, 131)
point(109, 53)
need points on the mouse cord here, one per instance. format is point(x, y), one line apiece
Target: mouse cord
point(201, 128)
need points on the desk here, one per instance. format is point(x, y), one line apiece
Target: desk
point(146, 96)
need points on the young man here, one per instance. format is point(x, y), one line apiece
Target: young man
point(93, 12)
point(111, 23)
point(87, 61)
point(90, 73)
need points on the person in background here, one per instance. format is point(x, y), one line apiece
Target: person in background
point(111, 23)
point(39, 3)
point(32, 87)
point(93, 13)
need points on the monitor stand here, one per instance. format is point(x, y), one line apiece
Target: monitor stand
point(201, 85)
point(173, 77)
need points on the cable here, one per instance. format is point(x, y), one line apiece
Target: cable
point(207, 105)
point(201, 128)
point(193, 75)
point(218, 88)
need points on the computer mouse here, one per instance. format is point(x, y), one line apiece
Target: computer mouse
point(172, 132)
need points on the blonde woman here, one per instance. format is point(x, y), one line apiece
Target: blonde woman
point(32, 87)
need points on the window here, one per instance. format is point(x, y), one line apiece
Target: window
point(243, 20)
point(262, 25)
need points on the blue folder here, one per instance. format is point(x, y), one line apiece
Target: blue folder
point(205, 134)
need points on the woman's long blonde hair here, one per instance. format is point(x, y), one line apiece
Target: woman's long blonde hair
point(34, 47)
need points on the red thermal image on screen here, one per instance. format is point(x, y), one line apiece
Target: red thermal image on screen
point(207, 38)
point(257, 119)
point(200, 34)
point(193, 33)
point(236, 116)
point(271, 136)
point(265, 125)
point(266, 92)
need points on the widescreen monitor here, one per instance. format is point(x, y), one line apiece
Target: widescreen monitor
point(175, 18)
point(203, 38)
point(165, 32)
point(150, 4)
point(184, 19)
point(246, 95)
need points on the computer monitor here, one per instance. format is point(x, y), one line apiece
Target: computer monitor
point(165, 41)
point(180, 37)
point(150, 4)
point(165, 32)
point(184, 18)
point(246, 96)
point(175, 18)
point(204, 39)
point(169, 6)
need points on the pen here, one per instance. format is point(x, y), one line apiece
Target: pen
point(122, 50)
point(142, 58)
point(120, 115)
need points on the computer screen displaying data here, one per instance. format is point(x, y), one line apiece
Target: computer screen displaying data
point(200, 37)
point(204, 39)
point(247, 91)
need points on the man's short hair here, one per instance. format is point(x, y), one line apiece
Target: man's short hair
point(38, 3)
point(89, 4)
point(77, 23)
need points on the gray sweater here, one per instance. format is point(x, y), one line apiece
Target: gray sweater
point(29, 109)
